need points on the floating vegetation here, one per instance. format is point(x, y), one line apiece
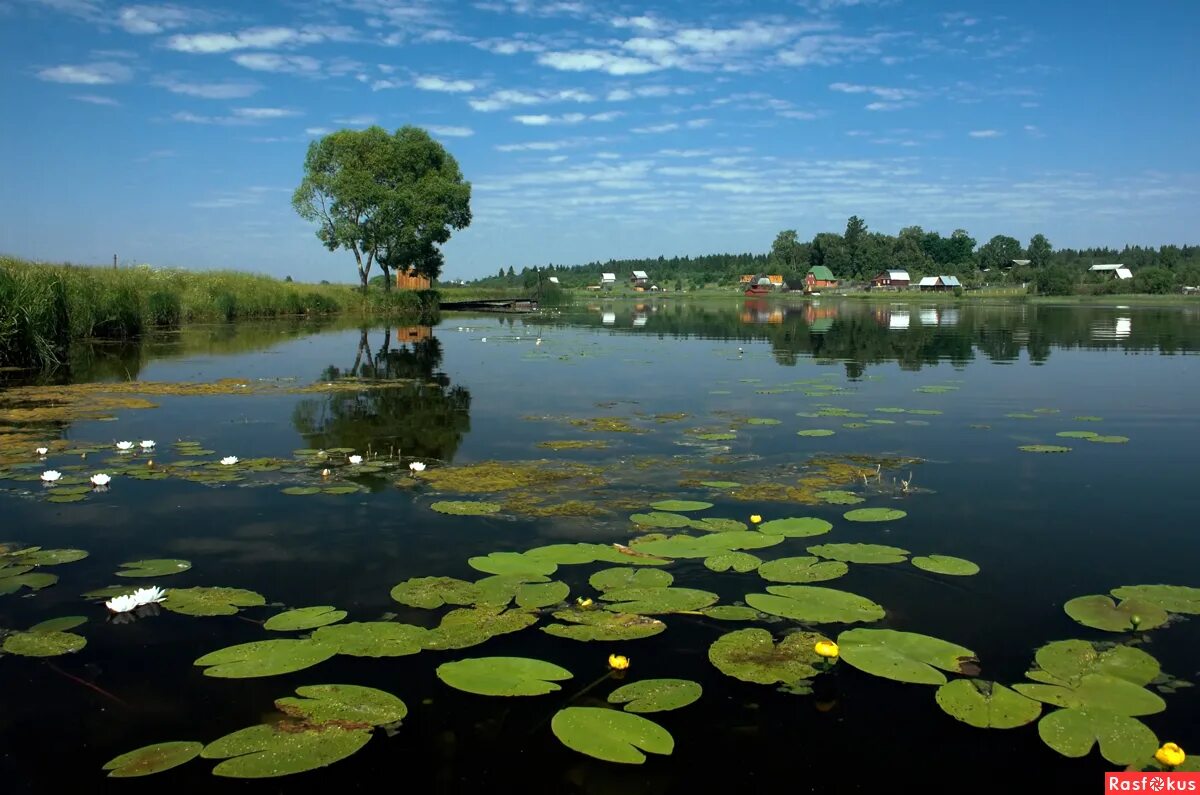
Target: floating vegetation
point(1100, 612)
point(720, 484)
point(606, 425)
point(1066, 662)
point(202, 601)
point(945, 564)
point(752, 655)
point(657, 601)
point(935, 389)
point(1077, 434)
point(874, 515)
point(466, 508)
point(265, 658)
point(762, 421)
point(802, 569)
point(304, 618)
point(623, 577)
point(432, 592)
point(589, 625)
point(43, 643)
point(512, 563)
point(611, 735)
point(839, 497)
point(740, 562)
point(489, 477)
point(681, 505)
point(682, 546)
point(371, 639)
point(815, 432)
point(986, 705)
point(503, 676)
point(1108, 439)
point(152, 759)
point(860, 553)
point(153, 568)
point(1043, 448)
point(1123, 740)
point(905, 656)
point(666, 521)
point(1087, 418)
point(799, 527)
point(656, 695)
point(1172, 598)
point(815, 605)
point(574, 444)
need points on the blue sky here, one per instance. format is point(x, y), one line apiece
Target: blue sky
point(175, 133)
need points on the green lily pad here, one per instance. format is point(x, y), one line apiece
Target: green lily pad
point(815, 432)
point(66, 498)
point(874, 515)
point(268, 751)
point(717, 525)
point(301, 491)
point(466, 508)
point(431, 592)
point(1087, 418)
point(838, 497)
point(752, 655)
point(814, 604)
point(1100, 612)
point(986, 705)
point(1097, 691)
point(587, 625)
point(503, 676)
point(625, 577)
point(660, 519)
point(720, 484)
point(731, 613)
point(860, 553)
point(153, 568)
point(945, 564)
point(1066, 662)
point(1043, 448)
point(537, 595)
point(264, 658)
point(656, 695)
point(762, 421)
point(1073, 732)
point(800, 527)
point(33, 580)
point(499, 590)
point(512, 563)
point(681, 505)
point(372, 638)
point(304, 618)
point(802, 569)
point(51, 557)
point(467, 627)
point(202, 601)
point(1077, 434)
point(905, 656)
point(43, 644)
point(152, 759)
point(574, 554)
point(59, 624)
point(341, 490)
point(1172, 598)
point(723, 436)
point(654, 601)
point(343, 704)
point(611, 735)
point(682, 546)
point(1108, 439)
point(740, 562)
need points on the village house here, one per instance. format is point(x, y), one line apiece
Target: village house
point(938, 283)
point(892, 279)
point(639, 279)
point(608, 280)
point(1115, 271)
point(819, 277)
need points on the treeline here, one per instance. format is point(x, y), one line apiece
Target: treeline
point(857, 254)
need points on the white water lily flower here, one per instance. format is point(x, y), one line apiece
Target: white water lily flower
point(123, 446)
point(417, 466)
point(122, 604)
point(51, 475)
point(229, 460)
point(151, 595)
point(147, 444)
point(356, 459)
point(42, 450)
point(101, 479)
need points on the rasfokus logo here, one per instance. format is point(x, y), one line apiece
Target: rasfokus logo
point(1151, 782)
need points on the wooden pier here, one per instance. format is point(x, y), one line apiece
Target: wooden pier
point(491, 305)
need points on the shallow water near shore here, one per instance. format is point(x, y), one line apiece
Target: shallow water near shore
point(608, 408)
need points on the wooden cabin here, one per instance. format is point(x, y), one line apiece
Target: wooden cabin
point(411, 280)
point(819, 277)
point(892, 280)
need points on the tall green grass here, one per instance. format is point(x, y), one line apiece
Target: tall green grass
point(43, 307)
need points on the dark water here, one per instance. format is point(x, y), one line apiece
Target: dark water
point(1044, 529)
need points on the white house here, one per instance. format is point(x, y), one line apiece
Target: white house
point(639, 279)
point(554, 280)
point(1117, 270)
point(608, 280)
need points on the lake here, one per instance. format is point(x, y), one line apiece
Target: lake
point(555, 428)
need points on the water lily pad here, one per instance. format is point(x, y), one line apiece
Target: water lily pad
point(66, 498)
point(1172, 598)
point(611, 735)
point(874, 515)
point(752, 655)
point(946, 564)
point(1087, 418)
point(986, 705)
point(1077, 434)
point(301, 491)
point(838, 497)
point(372, 638)
point(762, 421)
point(33, 580)
point(799, 527)
point(660, 519)
point(268, 751)
point(467, 627)
point(264, 658)
point(720, 484)
point(202, 601)
point(654, 601)
point(304, 618)
point(731, 613)
point(341, 490)
point(431, 592)
point(537, 595)
point(503, 676)
point(59, 624)
point(466, 508)
point(682, 546)
point(1043, 448)
point(1108, 439)
point(815, 432)
point(715, 524)
point(343, 704)
point(153, 568)
point(625, 577)
point(43, 644)
point(905, 656)
point(722, 436)
point(573, 554)
point(51, 557)
point(1066, 662)
point(1073, 732)
point(814, 604)
point(588, 625)
point(512, 563)
point(499, 590)
point(1097, 691)
point(656, 695)
point(860, 553)
point(802, 569)
point(152, 759)
point(740, 562)
point(1100, 612)
point(681, 505)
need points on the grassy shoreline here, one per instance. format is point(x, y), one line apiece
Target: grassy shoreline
point(44, 307)
point(898, 296)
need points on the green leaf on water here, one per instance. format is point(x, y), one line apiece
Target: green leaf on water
point(660, 519)
point(815, 432)
point(33, 580)
point(905, 656)
point(1076, 434)
point(799, 527)
point(1043, 448)
point(503, 676)
point(512, 563)
point(203, 601)
point(343, 704)
point(860, 553)
point(304, 618)
point(946, 564)
point(656, 695)
point(720, 484)
point(431, 592)
point(471, 626)
point(66, 498)
point(874, 515)
point(752, 655)
point(611, 735)
point(682, 546)
point(1087, 418)
point(1066, 662)
point(681, 505)
point(723, 436)
point(838, 497)
point(625, 577)
point(372, 638)
point(802, 569)
point(1100, 612)
point(740, 562)
point(264, 658)
point(51, 557)
point(153, 568)
point(152, 759)
point(301, 491)
point(59, 624)
point(43, 644)
point(573, 554)
point(653, 601)
point(268, 751)
point(717, 525)
point(762, 421)
point(586, 625)
point(986, 705)
point(537, 595)
point(1073, 732)
point(466, 508)
point(1172, 598)
point(341, 490)
point(731, 613)
point(1108, 439)
point(1097, 691)
point(814, 604)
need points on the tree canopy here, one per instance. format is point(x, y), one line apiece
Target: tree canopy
point(386, 198)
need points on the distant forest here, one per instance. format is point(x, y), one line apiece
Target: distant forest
point(858, 254)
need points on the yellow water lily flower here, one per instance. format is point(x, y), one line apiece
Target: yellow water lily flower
point(618, 662)
point(826, 648)
point(584, 603)
point(755, 519)
point(1170, 755)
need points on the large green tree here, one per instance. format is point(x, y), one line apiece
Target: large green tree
point(386, 198)
point(999, 252)
point(1039, 251)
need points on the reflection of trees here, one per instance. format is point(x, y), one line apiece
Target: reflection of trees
point(422, 415)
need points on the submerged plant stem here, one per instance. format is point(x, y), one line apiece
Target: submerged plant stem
point(89, 685)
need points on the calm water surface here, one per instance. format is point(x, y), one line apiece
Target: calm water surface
point(1044, 529)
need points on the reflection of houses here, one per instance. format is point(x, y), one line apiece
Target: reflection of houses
point(814, 312)
point(1119, 329)
point(898, 320)
point(608, 318)
point(761, 312)
point(640, 280)
point(411, 280)
point(406, 334)
point(938, 283)
point(819, 277)
point(608, 280)
point(1115, 271)
point(892, 280)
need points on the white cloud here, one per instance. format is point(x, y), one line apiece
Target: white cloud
point(96, 99)
point(535, 8)
point(318, 131)
point(656, 128)
point(541, 120)
point(509, 46)
point(435, 83)
point(223, 90)
point(644, 92)
point(985, 133)
point(597, 60)
point(548, 146)
point(508, 98)
point(448, 131)
point(1034, 131)
point(264, 113)
point(274, 62)
point(92, 74)
point(885, 106)
point(361, 120)
point(883, 92)
point(262, 38)
point(147, 20)
point(237, 116)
